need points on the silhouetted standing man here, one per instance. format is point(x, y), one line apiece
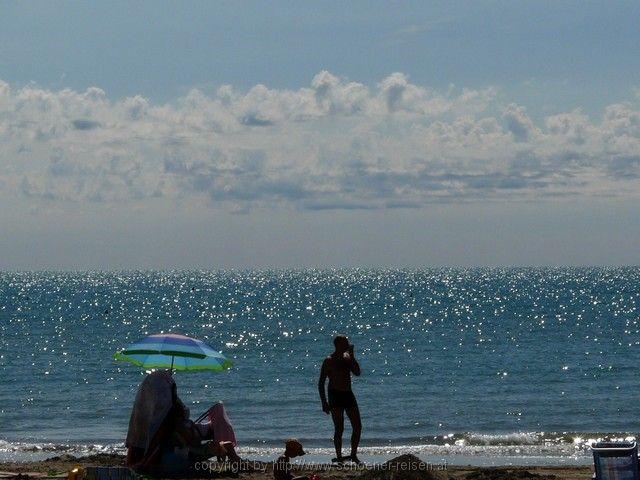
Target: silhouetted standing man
point(338, 367)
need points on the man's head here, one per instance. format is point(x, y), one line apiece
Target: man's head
point(341, 343)
point(293, 448)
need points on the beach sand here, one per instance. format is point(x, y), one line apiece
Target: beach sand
point(405, 467)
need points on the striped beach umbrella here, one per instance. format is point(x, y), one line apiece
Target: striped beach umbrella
point(173, 351)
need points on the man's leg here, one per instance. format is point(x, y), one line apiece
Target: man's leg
point(356, 424)
point(337, 414)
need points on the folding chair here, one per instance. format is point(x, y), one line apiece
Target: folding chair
point(615, 461)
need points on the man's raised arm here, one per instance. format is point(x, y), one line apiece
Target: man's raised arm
point(354, 366)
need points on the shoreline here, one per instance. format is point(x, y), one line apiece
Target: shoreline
point(497, 453)
point(479, 456)
point(457, 460)
point(57, 467)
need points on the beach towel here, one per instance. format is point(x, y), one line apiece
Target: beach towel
point(220, 424)
point(153, 401)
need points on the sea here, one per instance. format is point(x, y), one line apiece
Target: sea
point(486, 366)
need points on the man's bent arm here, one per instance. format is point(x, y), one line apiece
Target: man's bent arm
point(354, 366)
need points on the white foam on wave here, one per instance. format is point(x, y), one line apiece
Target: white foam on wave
point(516, 444)
point(59, 448)
point(516, 438)
point(456, 447)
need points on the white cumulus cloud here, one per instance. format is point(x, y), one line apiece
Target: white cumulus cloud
point(335, 143)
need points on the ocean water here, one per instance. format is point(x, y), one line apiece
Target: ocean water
point(499, 365)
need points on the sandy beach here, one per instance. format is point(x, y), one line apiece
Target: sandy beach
point(405, 467)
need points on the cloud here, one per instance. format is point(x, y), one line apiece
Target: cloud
point(518, 123)
point(84, 124)
point(254, 120)
point(335, 144)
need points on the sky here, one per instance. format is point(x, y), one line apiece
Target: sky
point(254, 134)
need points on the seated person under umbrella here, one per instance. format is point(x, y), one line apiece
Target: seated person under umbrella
point(162, 438)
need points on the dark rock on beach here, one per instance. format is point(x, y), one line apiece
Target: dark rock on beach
point(404, 467)
point(103, 459)
point(502, 474)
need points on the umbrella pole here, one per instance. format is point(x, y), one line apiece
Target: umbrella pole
point(171, 369)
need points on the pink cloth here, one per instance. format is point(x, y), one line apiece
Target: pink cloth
point(220, 425)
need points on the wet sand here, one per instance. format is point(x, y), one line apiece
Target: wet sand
point(405, 467)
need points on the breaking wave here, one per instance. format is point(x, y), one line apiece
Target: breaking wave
point(517, 444)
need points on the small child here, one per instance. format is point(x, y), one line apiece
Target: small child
point(282, 467)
